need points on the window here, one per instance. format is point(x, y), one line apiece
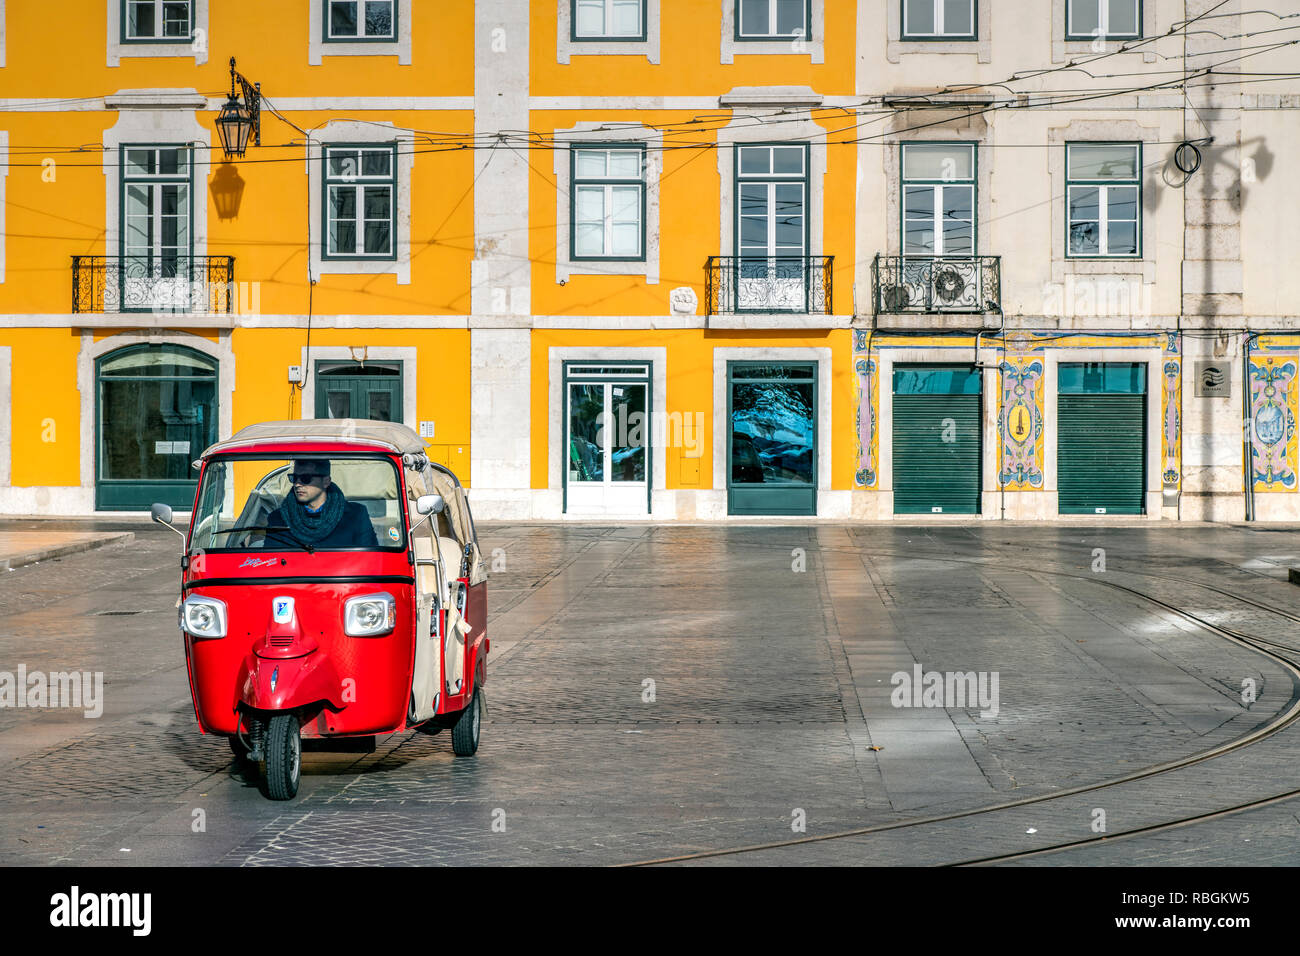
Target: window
point(1104, 199)
point(360, 20)
point(157, 21)
point(1088, 19)
point(608, 20)
point(360, 201)
point(155, 207)
point(938, 19)
point(771, 196)
point(771, 19)
point(939, 199)
point(608, 197)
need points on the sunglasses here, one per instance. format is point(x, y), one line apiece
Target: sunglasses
point(304, 477)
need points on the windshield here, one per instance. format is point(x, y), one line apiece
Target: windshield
point(312, 503)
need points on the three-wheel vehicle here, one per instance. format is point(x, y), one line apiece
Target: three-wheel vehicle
point(349, 619)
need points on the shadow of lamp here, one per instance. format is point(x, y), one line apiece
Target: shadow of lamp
point(227, 188)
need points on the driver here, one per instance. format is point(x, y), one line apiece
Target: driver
point(316, 513)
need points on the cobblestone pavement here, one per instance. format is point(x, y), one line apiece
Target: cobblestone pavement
point(656, 691)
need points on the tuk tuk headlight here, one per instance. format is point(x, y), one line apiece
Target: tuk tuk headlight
point(369, 615)
point(202, 616)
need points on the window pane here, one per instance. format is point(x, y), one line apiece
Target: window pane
point(586, 432)
point(140, 162)
point(343, 237)
point(590, 204)
point(1121, 239)
point(772, 432)
point(1103, 162)
point(958, 238)
point(625, 204)
point(755, 160)
point(918, 238)
point(343, 18)
point(176, 19)
point(379, 18)
point(141, 21)
point(342, 162)
point(1085, 17)
point(789, 235)
point(789, 18)
point(1123, 18)
point(918, 202)
point(957, 18)
point(625, 164)
point(378, 202)
point(938, 161)
point(590, 163)
point(627, 18)
point(589, 239)
point(1084, 239)
point(377, 234)
point(1122, 202)
point(1084, 204)
point(920, 16)
point(753, 18)
point(376, 163)
point(958, 202)
point(753, 199)
point(591, 18)
point(787, 159)
point(625, 239)
point(343, 202)
point(170, 162)
point(753, 232)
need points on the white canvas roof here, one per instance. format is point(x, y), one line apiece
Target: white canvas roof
point(390, 435)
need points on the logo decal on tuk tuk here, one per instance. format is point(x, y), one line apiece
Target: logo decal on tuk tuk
point(282, 610)
point(394, 534)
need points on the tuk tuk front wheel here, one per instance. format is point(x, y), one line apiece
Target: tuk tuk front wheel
point(283, 747)
point(464, 735)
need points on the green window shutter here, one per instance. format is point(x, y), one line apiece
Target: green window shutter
point(929, 472)
point(1101, 453)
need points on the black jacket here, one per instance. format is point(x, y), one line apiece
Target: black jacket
point(354, 529)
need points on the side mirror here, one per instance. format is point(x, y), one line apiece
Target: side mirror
point(430, 504)
point(163, 515)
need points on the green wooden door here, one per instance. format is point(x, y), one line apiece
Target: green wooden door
point(355, 391)
point(1101, 438)
point(938, 439)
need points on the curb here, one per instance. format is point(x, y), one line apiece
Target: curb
point(60, 550)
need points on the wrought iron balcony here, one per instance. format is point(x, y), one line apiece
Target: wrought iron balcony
point(153, 283)
point(768, 284)
point(910, 284)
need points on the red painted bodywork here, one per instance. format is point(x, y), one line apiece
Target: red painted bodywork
point(339, 685)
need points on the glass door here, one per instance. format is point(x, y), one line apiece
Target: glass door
point(606, 439)
point(772, 438)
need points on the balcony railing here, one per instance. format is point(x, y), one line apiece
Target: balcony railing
point(152, 284)
point(768, 284)
point(910, 284)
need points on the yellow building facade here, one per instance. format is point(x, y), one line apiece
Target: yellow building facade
point(666, 259)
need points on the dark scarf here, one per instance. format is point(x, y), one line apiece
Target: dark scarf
point(313, 528)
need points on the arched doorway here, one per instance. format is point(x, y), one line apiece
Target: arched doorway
point(155, 412)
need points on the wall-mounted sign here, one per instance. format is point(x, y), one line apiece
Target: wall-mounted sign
point(1213, 380)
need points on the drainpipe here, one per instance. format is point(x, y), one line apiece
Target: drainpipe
point(1248, 423)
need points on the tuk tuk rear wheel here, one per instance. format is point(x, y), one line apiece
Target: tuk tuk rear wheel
point(283, 748)
point(464, 735)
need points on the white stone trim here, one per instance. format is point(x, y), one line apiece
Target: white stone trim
point(813, 46)
point(317, 47)
point(896, 47)
point(829, 505)
point(196, 48)
point(565, 47)
point(6, 414)
point(4, 174)
point(374, 353)
point(752, 129)
point(660, 502)
point(1063, 50)
point(592, 133)
point(500, 422)
point(350, 131)
point(2, 33)
point(1154, 359)
point(137, 125)
point(1110, 130)
point(92, 350)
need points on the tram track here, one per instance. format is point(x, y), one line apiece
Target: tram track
point(1285, 655)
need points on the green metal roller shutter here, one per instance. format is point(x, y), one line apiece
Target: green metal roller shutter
point(931, 474)
point(1101, 453)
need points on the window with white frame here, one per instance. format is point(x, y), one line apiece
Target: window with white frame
point(157, 21)
point(608, 202)
point(1088, 19)
point(771, 201)
point(360, 201)
point(355, 20)
point(772, 19)
point(156, 213)
point(938, 19)
point(609, 20)
point(938, 186)
point(1104, 199)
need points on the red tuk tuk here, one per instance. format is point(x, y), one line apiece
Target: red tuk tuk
point(332, 586)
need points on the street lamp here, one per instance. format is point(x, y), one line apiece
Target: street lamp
point(237, 121)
